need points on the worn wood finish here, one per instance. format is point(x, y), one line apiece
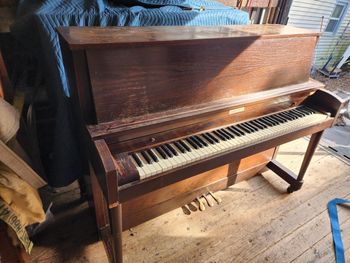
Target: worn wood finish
point(143, 134)
point(139, 87)
point(292, 94)
point(106, 171)
point(80, 38)
point(116, 219)
point(155, 55)
point(162, 75)
point(100, 206)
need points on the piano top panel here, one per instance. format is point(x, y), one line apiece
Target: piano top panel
point(102, 37)
point(151, 71)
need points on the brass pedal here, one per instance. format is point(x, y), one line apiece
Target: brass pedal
point(209, 202)
point(201, 204)
point(216, 198)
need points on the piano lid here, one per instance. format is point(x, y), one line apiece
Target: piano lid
point(102, 37)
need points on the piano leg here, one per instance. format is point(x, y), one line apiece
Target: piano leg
point(314, 140)
point(117, 230)
point(296, 181)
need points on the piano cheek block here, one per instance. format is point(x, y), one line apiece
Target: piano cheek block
point(126, 169)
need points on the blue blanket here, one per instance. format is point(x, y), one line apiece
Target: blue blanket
point(35, 29)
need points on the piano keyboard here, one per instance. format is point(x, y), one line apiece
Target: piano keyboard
point(193, 148)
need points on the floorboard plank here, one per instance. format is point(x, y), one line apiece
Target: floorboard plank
point(323, 251)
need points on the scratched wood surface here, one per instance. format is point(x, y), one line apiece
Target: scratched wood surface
point(256, 222)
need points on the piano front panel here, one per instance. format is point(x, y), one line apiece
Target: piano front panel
point(142, 80)
point(175, 195)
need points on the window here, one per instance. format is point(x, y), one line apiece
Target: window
point(336, 17)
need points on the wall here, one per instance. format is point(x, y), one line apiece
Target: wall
point(308, 14)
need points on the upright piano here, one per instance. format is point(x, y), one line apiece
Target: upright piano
point(171, 113)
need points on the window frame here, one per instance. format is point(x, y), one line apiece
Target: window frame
point(340, 19)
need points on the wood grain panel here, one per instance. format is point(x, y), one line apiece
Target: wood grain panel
point(138, 81)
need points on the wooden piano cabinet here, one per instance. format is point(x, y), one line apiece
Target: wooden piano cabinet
point(138, 88)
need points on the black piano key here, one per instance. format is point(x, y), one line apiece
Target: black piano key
point(306, 110)
point(185, 146)
point(180, 147)
point(248, 124)
point(258, 125)
point(246, 127)
point(294, 112)
point(223, 134)
point(236, 131)
point(267, 123)
point(137, 159)
point(252, 126)
point(228, 136)
point(161, 152)
point(201, 140)
point(153, 156)
point(290, 115)
point(228, 133)
point(219, 135)
point(171, 148)
point(192, 143)
point(285, 115)
point(261, 123)
point(147, 157)
point(299, 112)
point(167, 150)
point(302, 111)
point(212, 137)
point(210, 140)
point(274, 122)
point(240, 126)
point(200, 145)
point(279, 118)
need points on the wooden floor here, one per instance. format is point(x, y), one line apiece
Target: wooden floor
point(256, 222)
